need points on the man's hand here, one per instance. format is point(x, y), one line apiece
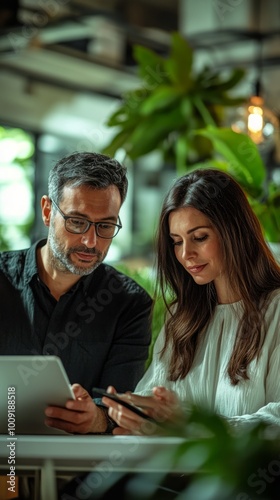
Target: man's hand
point(79, 416)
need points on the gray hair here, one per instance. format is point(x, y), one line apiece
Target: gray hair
point(91, 169)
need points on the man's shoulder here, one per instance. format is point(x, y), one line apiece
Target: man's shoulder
point(9, 257)
point(119, 281)
point(12, 262)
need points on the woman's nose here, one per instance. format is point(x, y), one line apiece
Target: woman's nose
point(188, 251)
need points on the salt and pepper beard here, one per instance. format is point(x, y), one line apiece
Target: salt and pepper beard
point(60, 258)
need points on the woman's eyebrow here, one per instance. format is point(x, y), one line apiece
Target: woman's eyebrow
point(191, 230)
point(197, 227)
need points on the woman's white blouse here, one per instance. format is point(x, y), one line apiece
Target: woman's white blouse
point(208, 384)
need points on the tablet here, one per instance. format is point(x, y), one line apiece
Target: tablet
point(27, 385)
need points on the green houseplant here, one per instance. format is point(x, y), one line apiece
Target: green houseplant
point(209, 461)
point(180, 112)
point(239, 156)
point(172, 101)
point(145, 276)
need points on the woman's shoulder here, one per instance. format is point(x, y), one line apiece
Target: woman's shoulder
point(274, 297)
point(272, 313)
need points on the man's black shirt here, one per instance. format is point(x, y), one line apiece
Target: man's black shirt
point(100, 328)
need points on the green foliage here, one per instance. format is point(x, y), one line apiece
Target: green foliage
point(180, 112)
point(238, 155)
point(19, 144)
point(224, 464)
point(242, 157)
point(145, 277)
point(17, 149)
point(171, 103)
point(268, 212)
point(23, 229)
point(209, 460)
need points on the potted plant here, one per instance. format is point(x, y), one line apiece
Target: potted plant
point(171, 102)
point(180, 112)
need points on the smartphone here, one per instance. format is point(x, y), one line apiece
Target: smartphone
point(131, 407)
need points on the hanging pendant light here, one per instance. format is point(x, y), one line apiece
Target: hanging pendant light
point(257, 121)
point(255, 118)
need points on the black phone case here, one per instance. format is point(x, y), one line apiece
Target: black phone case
point(130, 407)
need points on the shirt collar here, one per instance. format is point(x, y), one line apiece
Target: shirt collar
point(31, 267)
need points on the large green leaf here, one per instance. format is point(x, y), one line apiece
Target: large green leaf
point(116, 143)
point(163, 97)
point(125, 123)
point(179, 64)
point(268, 211)
point(203, 110)
point(207, 77)
point(186, 107)
point(215, 97)
point(242, 155)
point(151, 67)
point(118, 117)
point(269, 217)
point(181, 152)
point(236, 76)
point(133, 101)
point(153, 131)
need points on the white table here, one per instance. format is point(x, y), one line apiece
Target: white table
point(49, 456)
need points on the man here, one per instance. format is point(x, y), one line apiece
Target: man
point(67, 302)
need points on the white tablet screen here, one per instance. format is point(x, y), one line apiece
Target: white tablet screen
point(27, 385)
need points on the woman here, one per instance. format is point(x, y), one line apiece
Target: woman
point(220, 346)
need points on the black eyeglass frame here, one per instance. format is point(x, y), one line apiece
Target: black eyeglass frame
point(89, 223)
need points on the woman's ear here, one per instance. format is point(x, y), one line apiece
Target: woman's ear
point(46, 207)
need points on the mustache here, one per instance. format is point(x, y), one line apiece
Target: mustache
point(89, 251)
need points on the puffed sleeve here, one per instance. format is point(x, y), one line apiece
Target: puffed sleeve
point(157, 372)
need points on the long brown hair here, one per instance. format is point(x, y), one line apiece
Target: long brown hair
point(252, 269)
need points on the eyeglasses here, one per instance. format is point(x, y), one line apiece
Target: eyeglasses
point(79, 225)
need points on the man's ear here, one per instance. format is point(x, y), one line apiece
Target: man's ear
point(46, 207)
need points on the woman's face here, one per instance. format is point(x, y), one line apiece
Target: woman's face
point(198, 248)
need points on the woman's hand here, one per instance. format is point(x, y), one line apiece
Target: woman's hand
point(80, 415)
point(162, 406)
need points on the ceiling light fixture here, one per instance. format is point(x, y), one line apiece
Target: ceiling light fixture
point(257, 121)
point(254, 118)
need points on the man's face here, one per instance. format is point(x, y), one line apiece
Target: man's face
point(80, 254)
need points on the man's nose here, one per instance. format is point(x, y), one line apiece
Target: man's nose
point(89, 237)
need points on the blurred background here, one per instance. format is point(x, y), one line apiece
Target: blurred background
point(65, 67)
